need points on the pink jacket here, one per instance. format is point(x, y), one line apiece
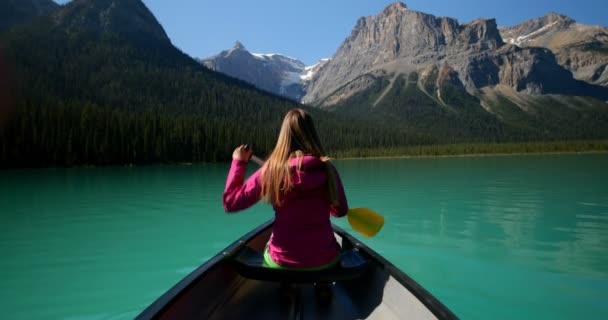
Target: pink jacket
point(302, 236)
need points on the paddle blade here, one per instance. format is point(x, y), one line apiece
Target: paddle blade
point(365, 221)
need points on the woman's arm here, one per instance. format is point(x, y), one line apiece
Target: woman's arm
point(342, 208)
point(239, 195)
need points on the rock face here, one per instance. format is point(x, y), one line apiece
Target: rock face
point(581, 49)
point(402, 41)
point(274, 73)
point(536, 32)
point(534, 58)
point(458, 81)
point(13, 12)
point(130, 19)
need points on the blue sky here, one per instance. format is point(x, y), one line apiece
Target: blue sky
point(313, 29)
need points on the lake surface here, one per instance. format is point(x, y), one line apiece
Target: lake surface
point(509, 237)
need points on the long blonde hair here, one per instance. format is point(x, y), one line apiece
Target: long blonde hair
point(297, 138)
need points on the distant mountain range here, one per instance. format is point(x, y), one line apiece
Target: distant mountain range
point(273, 72)
point(581, 49)
point(437, 76)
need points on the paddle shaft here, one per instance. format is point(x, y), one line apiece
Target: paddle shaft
point(257, 160)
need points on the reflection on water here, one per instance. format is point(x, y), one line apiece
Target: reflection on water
point(515, 237)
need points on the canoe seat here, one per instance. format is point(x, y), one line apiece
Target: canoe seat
point(250, 264)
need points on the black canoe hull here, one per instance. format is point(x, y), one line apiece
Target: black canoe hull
point(215, 290)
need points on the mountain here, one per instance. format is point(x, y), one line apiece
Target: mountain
point(309, 73)
point(14, 12)
point(99, 82)
point(581, 49)
point(273, 72)
point(399, 40)
point(456, 81)
point(129, 19)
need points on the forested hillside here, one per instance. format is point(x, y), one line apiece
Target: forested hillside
point(454, 116)
point(77, 94)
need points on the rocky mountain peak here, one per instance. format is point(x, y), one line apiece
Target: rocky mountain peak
point(556, 17)
point(396, 7)
point(238, 50)
point(273, 72)
point(579, 48)
point(238, 46)
point(400, 40)
point(127, 18)
point(525, 33)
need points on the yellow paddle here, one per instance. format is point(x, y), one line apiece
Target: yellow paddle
point(363, 220)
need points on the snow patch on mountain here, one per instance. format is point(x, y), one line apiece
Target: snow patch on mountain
point(310, 70)
point(272, 72)
point(518, 41)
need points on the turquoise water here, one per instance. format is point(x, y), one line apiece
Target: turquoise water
point(492, 237)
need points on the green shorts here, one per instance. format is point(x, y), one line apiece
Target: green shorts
point(273, 265)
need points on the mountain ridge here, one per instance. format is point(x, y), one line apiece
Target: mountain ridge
point(434, 74)
point(375, 44)
point(276, 73)
point(461, 73)
point(436, 39)
point(582, 49)
point(126, 18)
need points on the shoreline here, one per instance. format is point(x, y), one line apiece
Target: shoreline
point(413, 152)
point(479, 150)
point(466, 155)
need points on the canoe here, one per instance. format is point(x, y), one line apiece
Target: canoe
point(235, 285)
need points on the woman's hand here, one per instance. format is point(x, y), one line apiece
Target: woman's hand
point(241, 154)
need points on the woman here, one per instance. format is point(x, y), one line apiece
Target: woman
point(304, 190)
